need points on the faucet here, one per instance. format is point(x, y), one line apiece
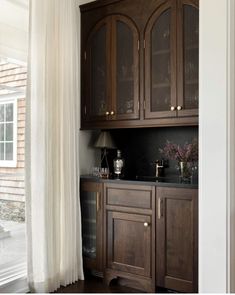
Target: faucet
point(159, 168)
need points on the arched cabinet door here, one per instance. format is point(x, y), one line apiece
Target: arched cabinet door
point(112, 71)
point(188, 57)
point(125, 63)
point(160, 62)
point(97, 72)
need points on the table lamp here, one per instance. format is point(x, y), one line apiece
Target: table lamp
point(104, 142)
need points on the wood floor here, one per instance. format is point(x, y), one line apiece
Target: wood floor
point(95, 285)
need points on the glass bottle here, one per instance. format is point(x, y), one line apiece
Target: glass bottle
point(118, 165)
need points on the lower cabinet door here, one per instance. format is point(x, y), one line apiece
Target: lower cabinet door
point(129, 243)
point(91, 198)
point(177, 236)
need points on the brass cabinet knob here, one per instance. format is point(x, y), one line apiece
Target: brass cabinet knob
point(112, 113)
point(179, 108)
point(146, 224)
point(107, 113)
point(172, 108)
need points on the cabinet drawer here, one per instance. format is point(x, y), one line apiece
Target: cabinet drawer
point(133, 196)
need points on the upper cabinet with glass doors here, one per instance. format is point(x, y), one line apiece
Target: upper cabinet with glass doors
point(139, 63)
point(171, 60)
point(188, 58)
point(112, 71)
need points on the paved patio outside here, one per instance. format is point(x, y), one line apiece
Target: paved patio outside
point(13, 252)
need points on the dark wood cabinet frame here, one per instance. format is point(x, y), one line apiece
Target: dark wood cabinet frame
point(148, 41)
point(180, 77)
point(120, 205)
point(124, 210)
point(139, 14)
point(178, 280)
point(111, 84)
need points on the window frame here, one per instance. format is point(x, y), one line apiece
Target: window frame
point(14, 101)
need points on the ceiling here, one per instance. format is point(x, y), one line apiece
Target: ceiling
point(14, 19)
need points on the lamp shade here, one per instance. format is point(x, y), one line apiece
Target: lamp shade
point(105, 141)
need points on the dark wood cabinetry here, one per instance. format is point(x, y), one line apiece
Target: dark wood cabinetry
point(177, 229)
point(91, 197)
point(129, 234)
point(160, 62)
point(171, 59)
point(129, 243)
point(141, 234)
point(188, 57)
point(111, 61)
point(139, 63)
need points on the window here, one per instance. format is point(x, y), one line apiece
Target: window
point(8, 133)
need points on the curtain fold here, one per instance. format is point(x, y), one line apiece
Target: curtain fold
point(52, 191)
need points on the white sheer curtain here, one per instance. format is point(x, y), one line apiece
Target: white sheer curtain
point(53, 210)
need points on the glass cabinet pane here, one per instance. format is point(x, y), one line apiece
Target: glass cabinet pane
point(98, 72)
point(191, 56)
point(161, 64)
point(125, 69)
point(88, 209)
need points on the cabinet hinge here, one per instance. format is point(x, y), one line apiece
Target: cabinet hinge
point(85, 55)
point(138, 105)
point(138, 45)
point(144, 105)
point(144, 44)
point(85, 110)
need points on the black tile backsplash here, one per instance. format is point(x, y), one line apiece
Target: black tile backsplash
point(140, 147)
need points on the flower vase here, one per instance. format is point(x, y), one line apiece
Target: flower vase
point(185, 169)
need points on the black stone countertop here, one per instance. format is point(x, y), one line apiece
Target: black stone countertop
point(147, 180)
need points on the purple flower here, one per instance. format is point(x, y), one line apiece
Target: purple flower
point(186, 153)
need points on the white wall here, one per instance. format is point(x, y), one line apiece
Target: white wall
point(215, 154)
point(231, 147)
point(14, 29)
point(88, 156)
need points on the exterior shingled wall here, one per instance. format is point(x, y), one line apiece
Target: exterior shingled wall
point(12, 187)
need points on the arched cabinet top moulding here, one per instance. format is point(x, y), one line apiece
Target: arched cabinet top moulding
point(112, 70)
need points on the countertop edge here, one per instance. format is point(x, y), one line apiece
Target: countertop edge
point(140, 182)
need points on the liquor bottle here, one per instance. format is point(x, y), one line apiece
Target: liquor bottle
point(118, 165)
